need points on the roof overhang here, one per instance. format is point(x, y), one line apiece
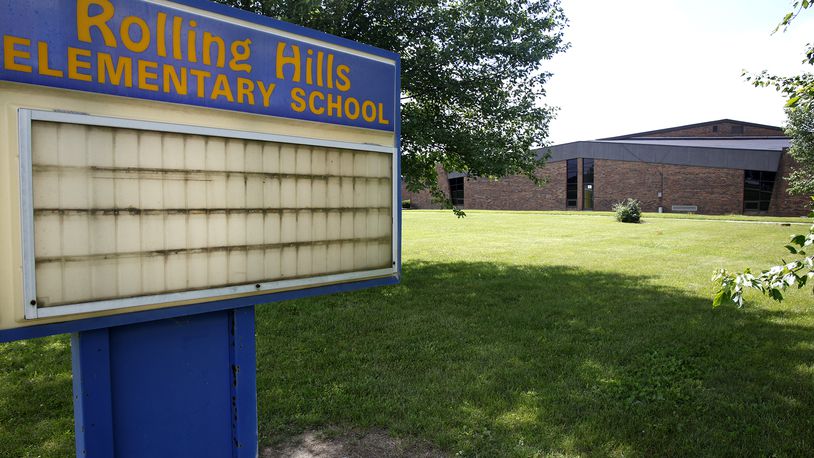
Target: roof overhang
point(696, 156)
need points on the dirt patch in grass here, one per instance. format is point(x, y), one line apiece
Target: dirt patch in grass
point(336, 443)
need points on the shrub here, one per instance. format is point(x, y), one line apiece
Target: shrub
point(628, 211)
point(405, 203)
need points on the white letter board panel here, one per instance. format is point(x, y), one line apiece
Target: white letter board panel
point(125, 217)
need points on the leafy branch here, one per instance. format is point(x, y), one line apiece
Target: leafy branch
point(798, 89)
point(796, 8)
point(774, 281)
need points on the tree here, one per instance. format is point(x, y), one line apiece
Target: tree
point(799, 91)
point(799, 88)
point(472, 76)
point(800, 128)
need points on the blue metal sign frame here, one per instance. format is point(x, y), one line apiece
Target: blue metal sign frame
point(226, 59)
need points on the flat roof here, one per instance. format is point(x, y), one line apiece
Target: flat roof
point(753, 143)
point(698, 153)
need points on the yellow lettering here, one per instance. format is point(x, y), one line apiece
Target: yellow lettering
point(176, 38)
point(127, 39)
point(192, 53)
point(42, 61)
point(245, 89)
point(335, 106)
point(84, 21)
point(74, 64)
point(266, 91)
point(178, 82)
point(298, 105)
point(320, 57)
point(221, 88)
point(330, 70)
point(309, 78)
point(343, 83)
point(208, 41)
point(350, 101)
point(161, 35)
point(105, 69)
point(371, 115)
point(241, 52)
point(200, 77)
point(311, 101)
point(381, 114)
point(282, 61)
point(10, 53)
point(147, 71)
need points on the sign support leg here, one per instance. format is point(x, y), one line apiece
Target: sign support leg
point(174, 387)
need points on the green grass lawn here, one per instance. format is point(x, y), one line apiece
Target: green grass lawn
point(517, 334)
point(650, 215)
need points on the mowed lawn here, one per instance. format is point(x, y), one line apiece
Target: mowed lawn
point(517, 334)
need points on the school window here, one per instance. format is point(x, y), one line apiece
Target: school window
point(456, 191)
point(587, 184)
point(571, 184)
point(757, 190)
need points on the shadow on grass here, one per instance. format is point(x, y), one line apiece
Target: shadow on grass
point(496, 360)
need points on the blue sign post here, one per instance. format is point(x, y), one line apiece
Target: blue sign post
point(171, 372)
point(176, 387)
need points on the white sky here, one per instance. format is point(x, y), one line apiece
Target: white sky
point(637, 65)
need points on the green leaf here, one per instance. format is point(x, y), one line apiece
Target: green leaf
point(719, 298)
point(791, 249)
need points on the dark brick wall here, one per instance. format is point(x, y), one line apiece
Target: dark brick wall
point(422, 199)
point(724, 130)
point(518, 192)
point(712, 190)
point(615, 181)
point(784, 204)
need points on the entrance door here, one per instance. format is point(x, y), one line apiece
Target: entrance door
point(587, 184)
point(588, 197)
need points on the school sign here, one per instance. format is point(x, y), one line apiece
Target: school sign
point(168, 165)
point(162, 51)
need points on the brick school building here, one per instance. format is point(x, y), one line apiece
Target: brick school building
point(716, 167)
